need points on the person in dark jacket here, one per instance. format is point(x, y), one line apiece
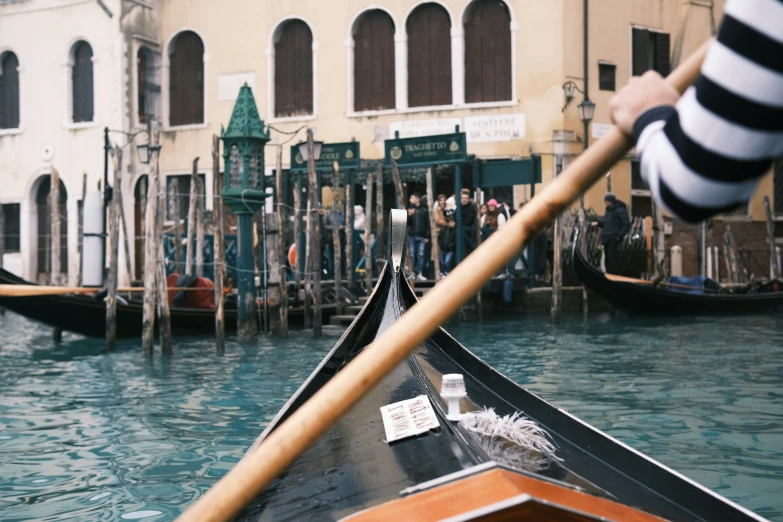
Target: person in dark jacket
point(615, 225)
point(418, 234)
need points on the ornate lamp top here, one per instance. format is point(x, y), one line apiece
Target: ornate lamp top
point(245, 121)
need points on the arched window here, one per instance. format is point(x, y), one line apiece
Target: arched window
point(293, 69)
point(487, 52)
point(373, 69)
point(148, 85)
point(429, 56)
point(9, 91)
point(186, 79)
point(82, 83)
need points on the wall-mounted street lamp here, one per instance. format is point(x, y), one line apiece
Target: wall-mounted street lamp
point(586, 110)
point(317, 146)
point(145, 152)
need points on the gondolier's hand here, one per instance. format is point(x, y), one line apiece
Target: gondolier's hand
point(641, 94)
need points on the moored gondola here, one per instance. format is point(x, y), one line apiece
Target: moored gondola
point(451, 471)
point(663, 300)
point(86, 315)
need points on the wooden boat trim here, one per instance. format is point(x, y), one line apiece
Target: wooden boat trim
point(482, 493)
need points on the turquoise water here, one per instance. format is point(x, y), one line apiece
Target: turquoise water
point(90, 436)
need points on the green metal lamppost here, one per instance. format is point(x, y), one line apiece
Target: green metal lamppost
point(243, 191)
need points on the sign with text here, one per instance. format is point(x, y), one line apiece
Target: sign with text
point(345, 154)
point(421, 128)
point(426, 150)
point(599, 130)
point(495, 127)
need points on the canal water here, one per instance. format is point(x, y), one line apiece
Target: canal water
point(90, 436)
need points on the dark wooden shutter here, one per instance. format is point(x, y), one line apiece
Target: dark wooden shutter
point(373, 62)
point(141, 73)
point(487, 52)
point(429, 56)
point(82, 83)
point(606, 76)
point(662, 50)
point(11, 227)
point(186, 84)
point(9, 91)
point(294, 69)
point(640, 49)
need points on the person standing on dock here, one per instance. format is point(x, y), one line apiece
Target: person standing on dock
point(615, 225)
point(418, 234)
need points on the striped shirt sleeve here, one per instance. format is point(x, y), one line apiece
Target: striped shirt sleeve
point(706, 155)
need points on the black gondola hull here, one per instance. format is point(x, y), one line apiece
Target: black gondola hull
point(352, 468)
point(646, 300)
point(87, 316)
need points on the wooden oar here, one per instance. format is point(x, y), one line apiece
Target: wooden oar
point(38, 290)
point(335, 398)
point(624, 279)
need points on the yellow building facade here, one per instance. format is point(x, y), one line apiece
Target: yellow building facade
point(242, 42)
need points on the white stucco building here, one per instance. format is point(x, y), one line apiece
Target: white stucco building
point(75, 63)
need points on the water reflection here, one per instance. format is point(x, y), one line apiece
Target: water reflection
point(95, 436)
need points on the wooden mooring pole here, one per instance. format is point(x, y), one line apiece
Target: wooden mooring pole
point(164, 314)
point(297, 233)
point(431, 213)
point(774, 269)
point(557, 270)
point(338, 251)
point(54, 213)
point(219, 250)
point(281, 243)
point(368, 236)
point(173, 192)
point(200, 195)
point(314, 227)
point(150, 249)
point(81, 233)
point(379, 248)
point(349, 194)
point(192, 209)
point(114, 251)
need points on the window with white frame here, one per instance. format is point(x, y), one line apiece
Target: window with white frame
point(293, 69)
point(488, 67)
point(429, 56)
point(9, 91)
point(147, 84)
point(373, 66)
point(186, 79)
point(82, 83)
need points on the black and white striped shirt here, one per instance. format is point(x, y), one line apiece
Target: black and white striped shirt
point(707, 155)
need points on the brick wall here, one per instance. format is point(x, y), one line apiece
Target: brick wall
point(749, 236)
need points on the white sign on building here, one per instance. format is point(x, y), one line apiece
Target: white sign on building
point(495, 127)
point(600, 129)
point(417, 128)
point(229, 84)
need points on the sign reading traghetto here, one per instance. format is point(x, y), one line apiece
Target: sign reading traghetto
point(427, 150)
point(495, 127)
